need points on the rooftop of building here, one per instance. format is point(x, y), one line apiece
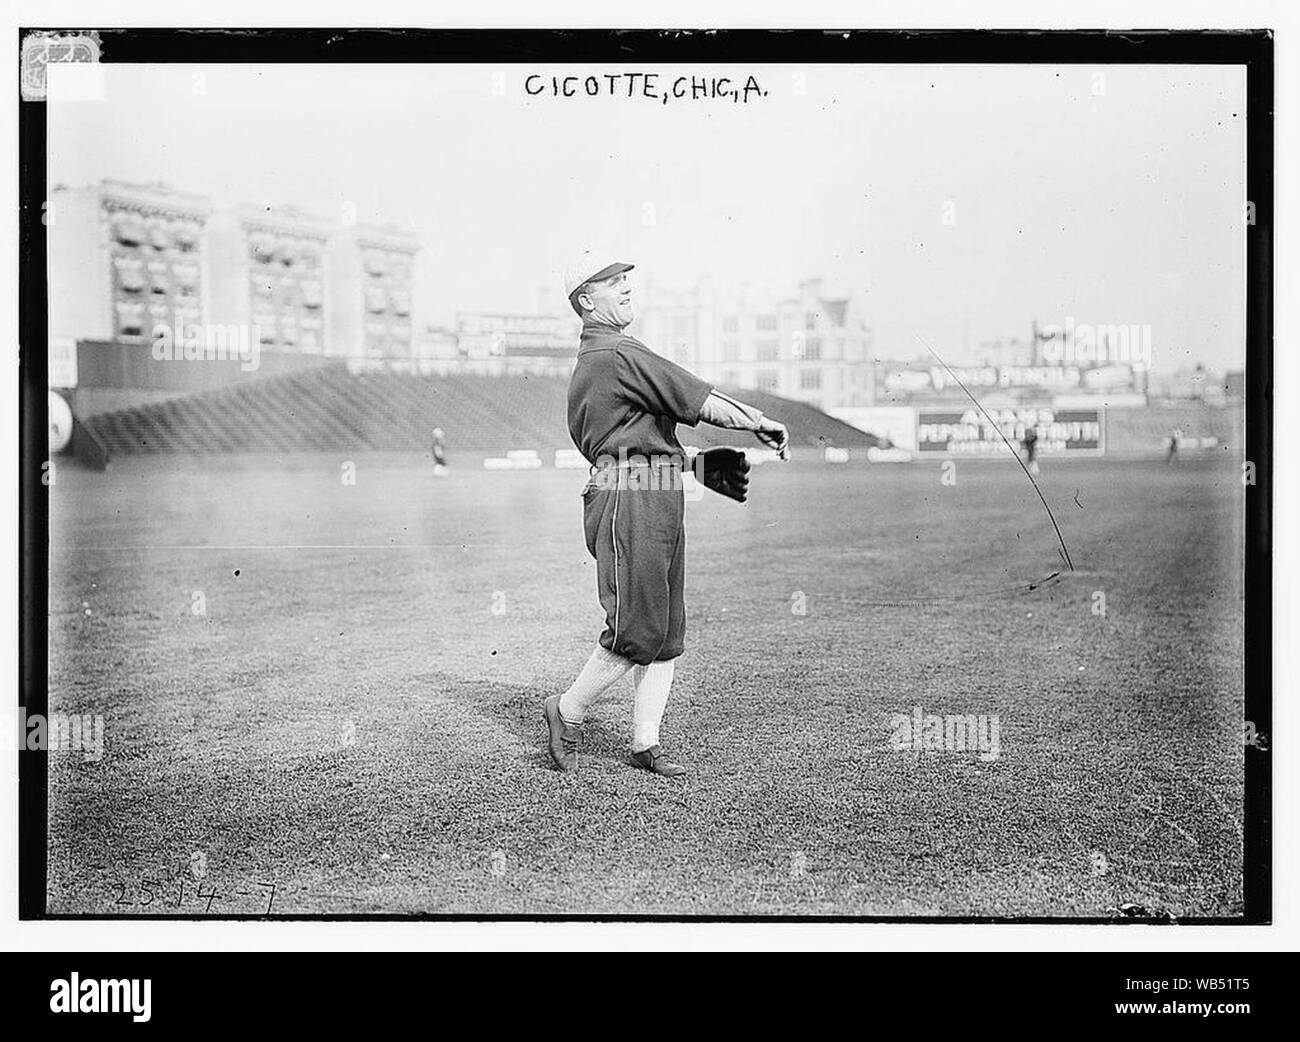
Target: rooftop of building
point(153, 194)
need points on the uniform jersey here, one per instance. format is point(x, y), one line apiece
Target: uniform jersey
point(623, 396)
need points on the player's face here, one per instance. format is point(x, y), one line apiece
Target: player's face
point(611, 300)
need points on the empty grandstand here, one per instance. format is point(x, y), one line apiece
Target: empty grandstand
point(328, 408)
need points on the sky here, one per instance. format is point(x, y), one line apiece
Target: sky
point(960, 202)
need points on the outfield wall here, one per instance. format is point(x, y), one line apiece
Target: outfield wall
point(112, 375)
point(1073, 431)
point(1138, 432)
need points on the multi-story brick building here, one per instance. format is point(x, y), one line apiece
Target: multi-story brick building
point(679, 324)
point(503, 343)
point(371, 271)
point(267, 269)
point(811, 347)
point(125, 258)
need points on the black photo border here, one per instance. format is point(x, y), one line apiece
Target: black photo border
point(1252, 49)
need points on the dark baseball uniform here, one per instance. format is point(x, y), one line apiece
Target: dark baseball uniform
point(1030, 443)
point(625, 402)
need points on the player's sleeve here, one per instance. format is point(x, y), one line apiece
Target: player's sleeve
point(653, 383)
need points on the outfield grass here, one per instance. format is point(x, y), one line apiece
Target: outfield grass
point(355, 718)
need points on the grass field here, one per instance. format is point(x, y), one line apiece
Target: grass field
point(353, 716)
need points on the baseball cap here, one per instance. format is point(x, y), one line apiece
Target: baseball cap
point(590, 266)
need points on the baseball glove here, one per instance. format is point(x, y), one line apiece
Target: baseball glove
point(726, 471)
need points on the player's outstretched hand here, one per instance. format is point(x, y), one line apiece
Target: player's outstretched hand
point(774, 436)
point(726, 471)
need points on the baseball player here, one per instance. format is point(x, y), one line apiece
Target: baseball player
point(624, 404)
point(1030, 443)
point(439, 454)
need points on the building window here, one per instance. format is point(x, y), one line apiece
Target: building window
point(185, 234)
point(810, 380)
point(730, 324)
point(130, 274)
point(812, 350)
point(128, 228)
point(290, 294)
point(730, 351)
point(130, 319)
point(768, 350)
point(766, 322)
point(159, 237)
point(767, 380)
point(810, 320)
point(262, 246)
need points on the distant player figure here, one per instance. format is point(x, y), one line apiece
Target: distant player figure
point(624, 405)
point(1174, 437)
point(1030, 443)
point(439, 454)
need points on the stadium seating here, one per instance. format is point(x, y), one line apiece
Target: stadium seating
point(327, 409)
point(808, 426)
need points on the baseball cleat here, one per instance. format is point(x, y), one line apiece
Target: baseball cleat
point(653, 759)
point(563, 737)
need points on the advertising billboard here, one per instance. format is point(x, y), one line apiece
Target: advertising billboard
point(968, 432)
